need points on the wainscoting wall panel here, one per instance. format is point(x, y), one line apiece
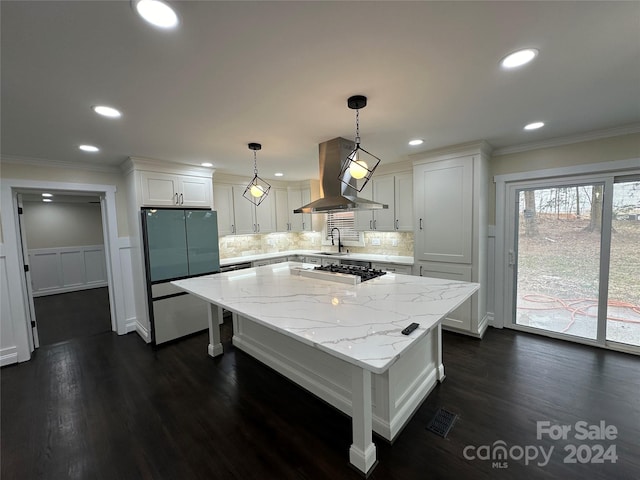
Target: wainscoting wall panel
point(124, 248)
point(491, 273)
point(8, 350)
point(67, 269)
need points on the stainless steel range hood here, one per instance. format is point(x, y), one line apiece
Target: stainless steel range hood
point(336, 196)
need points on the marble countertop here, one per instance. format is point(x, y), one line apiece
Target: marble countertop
point(401, 260)
point(360, 324)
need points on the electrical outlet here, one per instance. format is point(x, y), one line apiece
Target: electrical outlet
point(270, 242)
point(394, 242)
point(375, 241)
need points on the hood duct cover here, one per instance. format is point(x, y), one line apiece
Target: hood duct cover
point(336, 196)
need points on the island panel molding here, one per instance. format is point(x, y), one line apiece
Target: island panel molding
point(341, 342)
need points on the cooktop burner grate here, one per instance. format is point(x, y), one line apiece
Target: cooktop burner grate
point(365, 273)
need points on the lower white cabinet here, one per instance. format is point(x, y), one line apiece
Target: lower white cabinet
point(261, 263)
point(313, 260)
point(460, 318)
point(393, 268)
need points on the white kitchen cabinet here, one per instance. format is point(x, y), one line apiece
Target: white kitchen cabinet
point(286, 200)
point(307, 218)
point(393, 268)
point(460, 318)
point(403, 202)
point(395, 190)
point(249, 218)
point(450, 225)
point(261, 263)
point(330, 261)
point(281, 198)
point(168, 190)
point(223, 204)
point(313, 260)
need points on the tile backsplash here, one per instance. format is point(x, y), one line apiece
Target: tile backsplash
point(379, 243)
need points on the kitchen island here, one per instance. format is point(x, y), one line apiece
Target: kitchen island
point(342, 342)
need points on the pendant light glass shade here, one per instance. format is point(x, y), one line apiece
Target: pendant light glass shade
point(258, 189)
point(360, 164)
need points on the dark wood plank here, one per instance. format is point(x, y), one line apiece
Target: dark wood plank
point(66, 316)
point(106, 407)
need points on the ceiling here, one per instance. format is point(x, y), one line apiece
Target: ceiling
point(279, 73)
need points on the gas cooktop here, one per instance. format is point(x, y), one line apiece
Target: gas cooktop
point(365, 273)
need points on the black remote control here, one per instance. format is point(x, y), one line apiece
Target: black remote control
point(410, 328)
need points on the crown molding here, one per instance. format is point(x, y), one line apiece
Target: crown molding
point(43, 162)
point(568, 140)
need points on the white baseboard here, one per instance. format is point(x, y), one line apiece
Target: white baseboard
point(8, 356)
point(68, 289)
point(143, 332)
point(130, 325)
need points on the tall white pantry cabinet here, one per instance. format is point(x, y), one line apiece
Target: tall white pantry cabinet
point(450, 225)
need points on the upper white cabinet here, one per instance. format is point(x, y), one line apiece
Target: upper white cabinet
point(450, 225)
point(444, 210)
point(250, 218)
point(286, 201)
point(169, 190)
point(395, 190)
point(223, 204)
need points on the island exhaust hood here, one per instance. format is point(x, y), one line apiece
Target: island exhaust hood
point(336, 196)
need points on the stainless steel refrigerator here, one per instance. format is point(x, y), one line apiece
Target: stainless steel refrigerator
point(178, 243)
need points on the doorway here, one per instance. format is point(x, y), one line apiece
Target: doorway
point(17, 336)
point(574, 258)
point(63, 240)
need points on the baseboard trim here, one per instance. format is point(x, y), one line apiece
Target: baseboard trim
point(130, 325)
point(73, 288)
point(143, 332)
point(8, 356)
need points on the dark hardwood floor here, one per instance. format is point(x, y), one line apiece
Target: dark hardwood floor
point(71, 315)
point(109, 407)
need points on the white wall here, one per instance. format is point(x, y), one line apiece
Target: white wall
point(53, 225)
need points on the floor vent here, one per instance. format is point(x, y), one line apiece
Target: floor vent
point(442, 422)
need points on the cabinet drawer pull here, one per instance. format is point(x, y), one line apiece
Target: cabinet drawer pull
point(258, 227)
point(181, 199)
point(420, 270)
point(233, 228)
point(370, 224)
point(254, 227)
point(176, 200)
point(420, 224)
point(397, 227)
point(374, 224)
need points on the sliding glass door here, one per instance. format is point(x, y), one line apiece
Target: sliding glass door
point(575, 257)
point(623, 307)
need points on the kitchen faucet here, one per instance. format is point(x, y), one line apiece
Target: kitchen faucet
point(339, 244)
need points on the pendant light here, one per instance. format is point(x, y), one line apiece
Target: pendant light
point(258, 189)
point(360, 164)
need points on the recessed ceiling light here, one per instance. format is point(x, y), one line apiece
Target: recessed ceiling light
point(278, 174)
point(415, 142)
point(534, 126)
point(89, 148)
point(106, 111)
point(47, 200)
point(519, 58)
point(157, 13)
point(207, 164)
point(47, 195)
